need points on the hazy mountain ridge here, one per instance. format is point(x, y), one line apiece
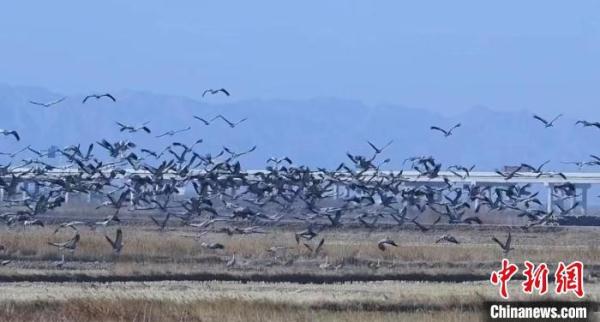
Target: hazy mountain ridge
point(315, 132)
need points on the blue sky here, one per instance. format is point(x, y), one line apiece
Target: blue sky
point(446, 56)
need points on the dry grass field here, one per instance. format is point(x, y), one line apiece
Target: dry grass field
point(168, 275)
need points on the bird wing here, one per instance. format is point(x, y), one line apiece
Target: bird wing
point(110, 96)
point(57, 101)
point(454, 127)
point(224, 91)
point(438, 129)
point(308, 246)
point(37, 103)
point(374, 147)
point(119, 238)
point(155, 221)
point(527, 166)
point(112, 243)
point(240, 121)
point(423, 228)
point(226, 120)
point(542, 165)
point(86, 98)
point(498, 242)
point(201, 119)
point(556, 118)
point(320, 245)
point(540, 119)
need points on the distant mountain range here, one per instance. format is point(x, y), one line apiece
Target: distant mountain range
point(314, 132)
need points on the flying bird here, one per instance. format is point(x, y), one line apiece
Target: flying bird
point(215, 91)
point(117, 244)
point(379, 150)
point(546, 123)
point(13, 133)
point(49, 103)
point(447, 238)
point(70, 244)
point(173, 132)
point(231, 124)
point(586, 123)
point(96, 96)
point(447, 133)
point(133, 129)
point(506, 245)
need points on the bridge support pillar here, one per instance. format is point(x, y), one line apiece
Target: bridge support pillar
point(549, 197)
point(584, 198)
point(24, 187)
point(473, 185)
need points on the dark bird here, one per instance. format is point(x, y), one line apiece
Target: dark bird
point(506, 245)
point(117, 244)
point(421, 227)
point(532, 168)
point(49, 103)
point(472, 220)
point(70, 244)
point(278, 160)
point(231, 124)
point(215, 91)
point(238, 154)
point(173, 132)
point(13, 133)
point(379, 150)
point(161, 224)
point(546, 123)
point(386, 241)
point(586, 123)
point(212, 245)
point(96, 96)
point(447, 133)
point(565, 211)
point(319, 246)
point(133, 129)
point(447, 238)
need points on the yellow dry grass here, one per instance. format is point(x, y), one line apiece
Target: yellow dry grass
point(147, 251)
point(208, 311)
point(178, 248)
point(229, 301)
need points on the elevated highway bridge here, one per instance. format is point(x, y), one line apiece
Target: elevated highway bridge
point(582, 181)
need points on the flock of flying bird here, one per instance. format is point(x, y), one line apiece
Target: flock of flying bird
point(229, 200)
